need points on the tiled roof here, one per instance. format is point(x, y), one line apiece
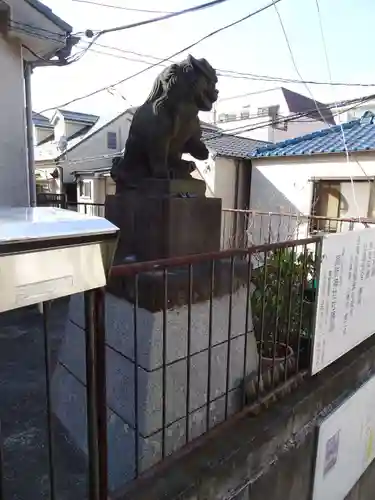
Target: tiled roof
point(75, 116)
point(47, 12)
point(41, 121)
point(359, 136)
point(230, 145)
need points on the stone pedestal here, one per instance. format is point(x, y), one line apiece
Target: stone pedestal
point(68, 384)
point(162, 219)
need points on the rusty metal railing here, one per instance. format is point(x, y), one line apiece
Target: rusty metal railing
point(248, 313)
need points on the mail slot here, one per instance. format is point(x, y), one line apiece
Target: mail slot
point(47, 253)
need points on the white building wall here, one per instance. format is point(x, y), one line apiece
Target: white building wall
point(254, 128)
point(13, 152)
point(89, 154)
point(72, 128)
point(283, 185)
point(40, 134)
point(257, 125)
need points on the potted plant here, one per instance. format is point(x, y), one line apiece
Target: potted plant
point(281, 310)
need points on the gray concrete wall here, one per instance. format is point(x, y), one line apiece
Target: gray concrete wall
point(13, 157)
point(266, 456)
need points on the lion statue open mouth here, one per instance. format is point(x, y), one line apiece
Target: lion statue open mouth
point(167, 125)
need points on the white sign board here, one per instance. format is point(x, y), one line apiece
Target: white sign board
point(346, 440)
point(345, 314)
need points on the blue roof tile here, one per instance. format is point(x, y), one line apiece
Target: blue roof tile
point(359, 136)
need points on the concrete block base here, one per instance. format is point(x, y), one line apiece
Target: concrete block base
point(137, 417)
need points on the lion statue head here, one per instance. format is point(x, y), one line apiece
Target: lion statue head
point(192, 80)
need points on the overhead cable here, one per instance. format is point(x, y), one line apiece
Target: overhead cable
point(212, 33)
point(225, 72)
point(110, 6)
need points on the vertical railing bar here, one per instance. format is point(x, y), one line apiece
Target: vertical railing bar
point(210, 331)
point(224, 243)
point(248, 298)
point(2, 494)
point(291, 275)
point(164, 361)
point(227, 381)
point(276, 335)
point(269, 228)
point(188, 351)
point(101, 389)
point(315, 280)
point(303, 280)
point(135, 347)
point(92, 428)
point(47, 368)
point(263, 308)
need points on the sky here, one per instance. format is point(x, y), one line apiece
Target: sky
point(257, 46)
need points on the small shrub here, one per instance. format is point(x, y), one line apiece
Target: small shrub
point(279, 298)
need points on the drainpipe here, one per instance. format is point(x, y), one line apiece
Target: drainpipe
point(30, 135)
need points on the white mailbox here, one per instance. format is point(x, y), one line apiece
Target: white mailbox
point(47, 253)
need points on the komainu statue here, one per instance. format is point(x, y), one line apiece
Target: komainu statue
point(167, 125)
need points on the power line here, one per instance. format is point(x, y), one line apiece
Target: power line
point(222, 133)
point(212, 33)
point(146, 11)
point(232, 73)
point(143, 61)
point(32, 32)
point(295, 63)
point(30, 29)
point(292, 117)
point(196, 8)
point(339, 120)
point(253, 76)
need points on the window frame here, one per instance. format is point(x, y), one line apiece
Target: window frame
point(113, 136)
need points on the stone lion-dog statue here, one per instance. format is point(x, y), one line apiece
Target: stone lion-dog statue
point(167, 125)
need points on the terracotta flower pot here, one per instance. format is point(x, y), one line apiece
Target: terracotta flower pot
point(276, 368)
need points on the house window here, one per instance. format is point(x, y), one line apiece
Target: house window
point(263, 111)
point(245, 114)
point(86, 189)
point(227, 117)
point(111, 140)
point(334, 199)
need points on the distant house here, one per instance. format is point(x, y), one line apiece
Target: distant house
point(272, 115)
point(72, 140)
point(313, 174)
point(349, 113)
point(23, 25)
point(227, 174)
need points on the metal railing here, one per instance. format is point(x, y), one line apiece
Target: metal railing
point(34, 453)
point(204, 337)
point(233, 328)
point(243, 228)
